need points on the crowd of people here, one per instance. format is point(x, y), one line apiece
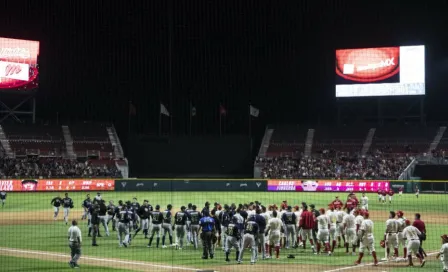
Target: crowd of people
point(33, 167)
point(334, 165)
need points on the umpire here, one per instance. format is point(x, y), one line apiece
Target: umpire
point(75, 240)
point(208, 227)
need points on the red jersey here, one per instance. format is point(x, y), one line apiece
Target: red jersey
point(384, 193)
point(400, 189)
point(420, 225)
point(307, 220)
point(355, 201)
point(391, 193)
point(380, 192)
point(350, 204)
point(337, 203)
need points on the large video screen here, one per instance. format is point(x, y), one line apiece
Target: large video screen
point(385, 71)
point(18, 64)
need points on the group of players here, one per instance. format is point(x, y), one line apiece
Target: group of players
point(255, 226)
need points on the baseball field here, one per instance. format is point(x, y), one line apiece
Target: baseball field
point(31, 240)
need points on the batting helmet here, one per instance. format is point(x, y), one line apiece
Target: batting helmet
point(400, 213)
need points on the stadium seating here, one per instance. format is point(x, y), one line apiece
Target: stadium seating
point(336, 152)
point(42, 150)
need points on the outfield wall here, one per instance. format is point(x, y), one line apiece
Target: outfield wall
point(220, 185)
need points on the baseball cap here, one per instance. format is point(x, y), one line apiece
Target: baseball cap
point(182, 208)
point(366, 214)
point(296, 207)
point(312, 206)
point(444, 237)
point(289, 207)
point(400, 213)
point(407, 222)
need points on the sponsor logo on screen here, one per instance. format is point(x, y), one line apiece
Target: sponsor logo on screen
point(367, 65)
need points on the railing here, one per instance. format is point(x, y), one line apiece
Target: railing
point(42, 138)
point(39, 152)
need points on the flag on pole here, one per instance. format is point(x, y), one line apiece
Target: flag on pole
point(222, 110)
point(254, 111)
point(192, 110)
point(163, 110)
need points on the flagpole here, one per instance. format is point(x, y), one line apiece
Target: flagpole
point(160, 119)
point(129, 118)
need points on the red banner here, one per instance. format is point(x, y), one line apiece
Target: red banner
point(328, 185)
point(42, 185)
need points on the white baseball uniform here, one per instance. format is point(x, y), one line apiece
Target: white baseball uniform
point(358, 222)
point(350, 228)
point(332, 217)
point(367, 240)
point(339, 227)
point(322, 228)
point(298, 215)
point(411, 233)
point(365, 203)
point(444, 256)
point(275, 225)
point(401, 238)
point(391, 233)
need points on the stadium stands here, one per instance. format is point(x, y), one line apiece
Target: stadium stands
point(346, 153)
point(83, 150)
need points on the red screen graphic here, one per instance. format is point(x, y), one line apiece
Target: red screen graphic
point(367, 65)
point(42, 185)
point(18, 64)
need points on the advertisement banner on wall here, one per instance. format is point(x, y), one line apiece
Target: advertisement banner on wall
point(191, 185)
point(328, 185)
point(44, 185)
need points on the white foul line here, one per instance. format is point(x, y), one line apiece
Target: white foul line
point(99, 259)
point(362, 265)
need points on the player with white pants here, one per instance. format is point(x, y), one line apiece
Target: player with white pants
point(298, 213)
point(412, 236)
point(364, 202)
point(123, 227)
point(350, 233)
point(366, 239)
point(274, 227)
point(339, 226)
point(323, 234)
point(332, 231)
point(443, 253)
point(401, 238)
point(250, 232)
point(390, 235)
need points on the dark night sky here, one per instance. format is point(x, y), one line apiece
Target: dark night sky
point(98, 55)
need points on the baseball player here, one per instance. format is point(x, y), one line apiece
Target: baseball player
point(225, 219)
point(56, 202)
point(259, 238)
point(412, 233)
point(195, 216)
point(74, 240)
point(95, 222)
point(358, 222)
point(266, 216)
point(207, 226)
point(367, 239)
point(144, 213)
point(117, 212)
point(216, 234)
point(188, 226)
point(323, 234)
point(380, 193)
point(103, 216)
point(290, 221)
point(3, 195)
point(306, 223)
point(133, 223)
point(364, 202)
point(240, 223)
point(97, 198)
point(383, 196)
point(180, 220)
point(135, 206)
point(298, 213)
point(390, 235)
point(86, 206)
point(401, 238)
point(339, 226)
point(157, 219)
point(274, 228)
point(67, 203)
point(391, 195)
point(443, 253)
point(206, 209)
point(332, 230)
point(350, 233)
point(251, 230)
point(337, 203)
point(314, 230)
point(166, 225)
point(232, 238)
point(417, 191)
point(124, 220)
point(111, 214)
point(400, 190)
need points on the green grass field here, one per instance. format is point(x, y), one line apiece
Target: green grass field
point(26, 224)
